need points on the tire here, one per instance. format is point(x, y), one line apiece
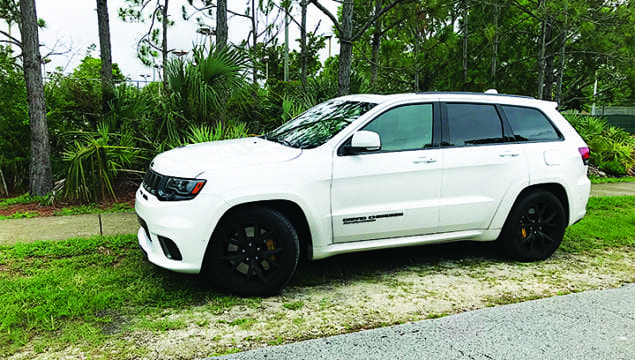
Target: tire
point(254, 252)
point(535, 227)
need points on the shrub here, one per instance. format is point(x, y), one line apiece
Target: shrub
point(612, 149)
point(94, 160)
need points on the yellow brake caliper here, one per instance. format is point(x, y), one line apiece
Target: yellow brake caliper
point(523, 232)
point(271, 245)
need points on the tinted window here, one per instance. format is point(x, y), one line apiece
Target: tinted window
point(530, 124)
point(404, 128)
point(472, 124)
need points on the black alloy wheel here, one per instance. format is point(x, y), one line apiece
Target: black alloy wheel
point(253, 252)
point(535, 227)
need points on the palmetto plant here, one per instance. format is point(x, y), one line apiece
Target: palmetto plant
point(199, 88)
point(94, 162)
point(612, 149)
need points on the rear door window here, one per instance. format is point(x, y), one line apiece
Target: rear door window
point(473, 124)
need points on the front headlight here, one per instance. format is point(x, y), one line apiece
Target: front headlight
point(176, 189)
point(168, 188)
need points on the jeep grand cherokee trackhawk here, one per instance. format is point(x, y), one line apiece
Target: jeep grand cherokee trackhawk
point(366, 172)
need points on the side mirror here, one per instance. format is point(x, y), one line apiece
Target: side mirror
point(364, 141)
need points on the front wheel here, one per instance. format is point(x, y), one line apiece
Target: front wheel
point(253, 252)
point(535, 227)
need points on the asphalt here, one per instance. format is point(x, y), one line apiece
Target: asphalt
point(591, 325)
point(594, 325)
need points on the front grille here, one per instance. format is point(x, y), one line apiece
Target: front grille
point(153, 182)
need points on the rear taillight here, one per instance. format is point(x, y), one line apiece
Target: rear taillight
point(584, 154)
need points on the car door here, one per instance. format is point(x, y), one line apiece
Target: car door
point(482, 162)
point(394, 191)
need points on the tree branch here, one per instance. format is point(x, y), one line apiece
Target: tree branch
point(11, 40)
point(370, 21)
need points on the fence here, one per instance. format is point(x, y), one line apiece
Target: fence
point(618, 116)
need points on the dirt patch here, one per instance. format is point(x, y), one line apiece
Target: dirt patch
point(386, 295)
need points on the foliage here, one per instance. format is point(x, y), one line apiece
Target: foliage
point(612, 149)
point(74, 101)
point(93, 163)
point(152, 41)
point(610, 180)
point(199, 88)
point(25, 199)
point(14, 123)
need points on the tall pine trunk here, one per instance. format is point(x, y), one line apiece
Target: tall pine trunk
point(41, 178)
point(164, 48)
point(105, 53)
point(221, 24)
point(492, 72)
point(346, 50)
point(466, 12)
point(376, 44)
point(303, 46)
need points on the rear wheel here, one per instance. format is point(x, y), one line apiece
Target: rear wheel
point(253, 252)
point(535, 227)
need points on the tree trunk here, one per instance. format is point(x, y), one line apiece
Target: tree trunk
point(417, 67)
point(254, 29)
point(492, 72)
point(221, 24)
point(41, 178)
point(541, 54)
point(466, 5)
point(346, 49)
point(376, 44)
point(563, 45)
point(303, 49)
point(164, 48)
point(105, 53)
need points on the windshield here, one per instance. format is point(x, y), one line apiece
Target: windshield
point(317, 125)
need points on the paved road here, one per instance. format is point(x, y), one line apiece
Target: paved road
point(594, 325)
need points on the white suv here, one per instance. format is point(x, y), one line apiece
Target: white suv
point(366, 172)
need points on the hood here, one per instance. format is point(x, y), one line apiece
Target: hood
point(192, 160)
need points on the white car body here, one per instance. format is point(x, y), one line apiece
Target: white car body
point(364, 201)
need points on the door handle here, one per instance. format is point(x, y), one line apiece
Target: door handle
point(509, 154)
point(424, 159)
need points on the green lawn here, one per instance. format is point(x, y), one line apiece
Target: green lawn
point(76, 291)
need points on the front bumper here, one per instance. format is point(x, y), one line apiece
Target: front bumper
point(174, 234)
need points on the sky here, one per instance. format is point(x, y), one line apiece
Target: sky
point(71, 26)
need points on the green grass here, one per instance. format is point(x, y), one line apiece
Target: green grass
point(58, 293)
point(296, 305)
point(20, 215)
point(609, 180)
point(609, 222)
point(93, 209)
point(85, 292)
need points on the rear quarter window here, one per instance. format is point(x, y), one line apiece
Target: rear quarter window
point(530, 124)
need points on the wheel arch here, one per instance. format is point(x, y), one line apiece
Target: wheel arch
point(289, 209)
point(556, 189)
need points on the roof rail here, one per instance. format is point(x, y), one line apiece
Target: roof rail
point(491, 92)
